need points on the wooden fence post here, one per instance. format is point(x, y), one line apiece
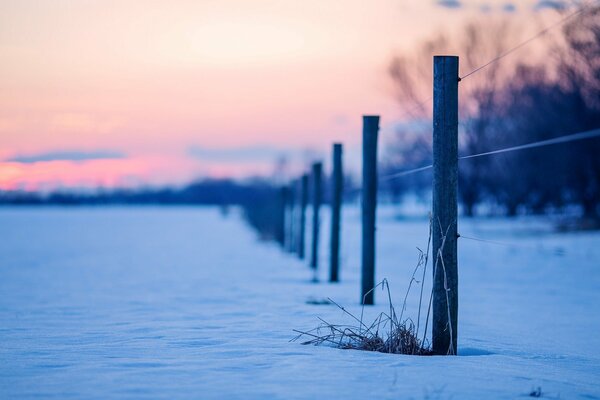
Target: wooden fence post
point(302, 222)
point(337, 177)
point(317, 170)
point(369, 204)
point(280, 231)
point(291, 209)
point(445, 185)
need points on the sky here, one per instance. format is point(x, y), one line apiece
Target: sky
point(107, 93)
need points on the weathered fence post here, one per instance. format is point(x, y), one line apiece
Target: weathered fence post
point(280, 231)
point(369, 204)
point(317, 169)
point(291, 205)
point(302, 222)
point(337, 177)
point(445, 185)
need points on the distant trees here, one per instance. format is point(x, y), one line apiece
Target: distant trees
point(259, 199)
point(202, 192)
point(546, 101)
point(579, 79)
point(504, 105)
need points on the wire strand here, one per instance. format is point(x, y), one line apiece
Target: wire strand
point(531, 39)
point(562, 139)
point(404, 173)
point(460, 236)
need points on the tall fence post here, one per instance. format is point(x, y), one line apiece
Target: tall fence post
point(302, 221)
point(445, 186)
point(317, 170)
point(337, 177)
point(369, 204)
point(291, 209)
point(280, 228)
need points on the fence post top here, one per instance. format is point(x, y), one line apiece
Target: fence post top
point(370, 118)
point(444, 56)
point(371, 122)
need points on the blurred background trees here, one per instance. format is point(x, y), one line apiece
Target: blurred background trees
point(529, 99)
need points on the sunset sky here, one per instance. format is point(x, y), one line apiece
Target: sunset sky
point(128, 93)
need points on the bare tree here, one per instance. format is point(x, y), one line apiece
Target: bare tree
point(579, 77)
point(477, 43)
point(516, 101)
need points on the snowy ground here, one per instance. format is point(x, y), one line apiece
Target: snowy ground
point(183, 303)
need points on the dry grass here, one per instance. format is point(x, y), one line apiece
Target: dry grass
point(386, 334)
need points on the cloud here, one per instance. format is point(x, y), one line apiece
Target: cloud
point(449, 3)
point(509, 8)
point(552, 4)
point(67, 155)
point(238, 154)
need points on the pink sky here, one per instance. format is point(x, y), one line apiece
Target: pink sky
point(151, 81)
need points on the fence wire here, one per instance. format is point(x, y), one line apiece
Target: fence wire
point(526, 42)
point(561, 139)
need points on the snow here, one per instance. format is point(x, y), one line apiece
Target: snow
point(171, 303)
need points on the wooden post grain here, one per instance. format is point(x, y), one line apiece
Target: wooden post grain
point(445, 185)
point(280, 228)
point(336, 207)
point(302, 216)
point(369, 204)
point(317, 170)
point(290, 226)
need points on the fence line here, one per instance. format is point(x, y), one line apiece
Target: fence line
point(444, 232)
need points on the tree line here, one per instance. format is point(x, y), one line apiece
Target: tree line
point(202, 192)
point(551, 94)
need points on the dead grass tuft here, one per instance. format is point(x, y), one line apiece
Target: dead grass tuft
point(386, 334)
